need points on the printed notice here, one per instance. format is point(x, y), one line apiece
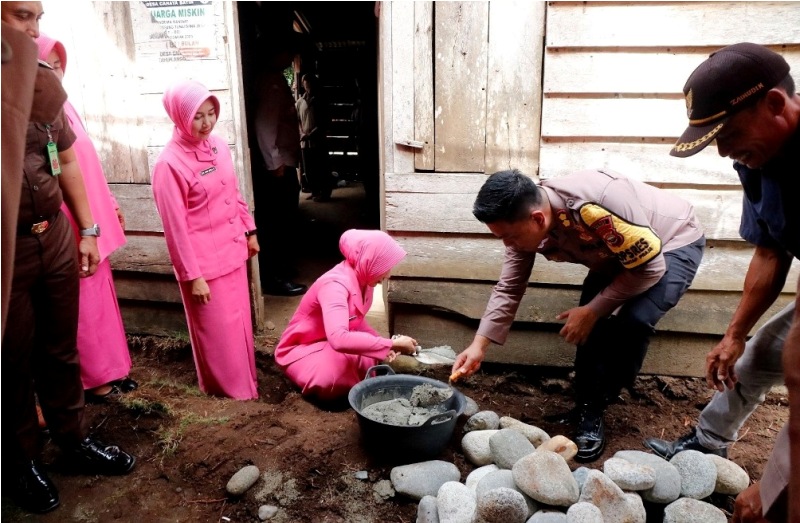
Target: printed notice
point(181, 31)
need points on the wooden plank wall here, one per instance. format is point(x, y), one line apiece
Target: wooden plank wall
point(606, 80)
point(118, 93)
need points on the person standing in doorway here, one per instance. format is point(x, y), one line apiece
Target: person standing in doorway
point(314, 119)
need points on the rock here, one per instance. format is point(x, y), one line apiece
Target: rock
point(583, 512)
point(362, 475)
point(580, 476)
point(688, 510)
point(471, 408)
point(698, 473)
point(427, 512)
point(266, 512)
point(270, 326)
point(508, 446)
point(668, 481)
point(545, 476)
point(476, 475)
point(636, 507)
point(534, 434)
point(548, 516)
point(731, 478)
point(561, 445)
point(423, 479)
point(242, 480)
point(383, 490)
point(502, 505)
point(629, 476)
point(503, 479)
point(603, 493)
point(483, 420)
point(455, 503)
point(475, 445)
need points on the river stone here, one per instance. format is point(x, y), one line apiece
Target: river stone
point(266, 512)
point(423, 479)
point(731, 478)
point(548, 516)
point(629, 476)
point(698, 473)
point(502, 505)
point(603, 493)
point(471, 408)
point(242, 480)
point(475, 445)
point(478, 474)
point(427, 512)
point(503, 479)
point(668, 481)
point(583, 512)
point(545, 476)
point(483, 420)
point(688, 510)
point(534, 434)
point(508, 446)
point(561, 445)
point(580, 476)
point(636, 507)
point(455, 503)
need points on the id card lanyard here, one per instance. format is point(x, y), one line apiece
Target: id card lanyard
point(52, 153)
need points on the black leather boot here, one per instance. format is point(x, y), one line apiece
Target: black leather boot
point(95, 457)
point(667, 449)
point(34, 491)
point(590, 435)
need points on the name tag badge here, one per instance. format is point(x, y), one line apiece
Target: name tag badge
point(207, 171)
point(52, 155)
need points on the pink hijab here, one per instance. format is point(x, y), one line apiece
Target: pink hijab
point(182, 100)
point(48, 44)
point(370, 253)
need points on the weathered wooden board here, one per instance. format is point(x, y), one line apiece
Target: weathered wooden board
point(480, 259)
point(143, 253)
point(154, 319)
point(423, 84)
point(461, 41)
point(443, 203)
point(617, 70)
point(698, 312)
point(646, 162)
point(137, 205)
point(670, 24)
point(386, 147)
point(147, 288)
point(514, 89)
point(669, 353)
point(402, 85)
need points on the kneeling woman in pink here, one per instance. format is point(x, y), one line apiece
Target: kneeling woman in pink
point(210, 234)
point(328, 345)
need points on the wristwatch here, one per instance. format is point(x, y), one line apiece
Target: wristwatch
point(94, 230)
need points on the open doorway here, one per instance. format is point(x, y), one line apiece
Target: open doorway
point(336, 42)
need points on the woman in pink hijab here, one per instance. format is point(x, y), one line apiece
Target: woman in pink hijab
point(102, 345)
point(328, 345)
point(210, 235)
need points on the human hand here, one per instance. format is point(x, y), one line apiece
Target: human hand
point(121, 218)
point(468, 361)
point(747, 507)
point(580, 322)
point(252, 246)
point(391, 356)
point(720, 372)
point(201, 293)
point(404, 344)
point(89, 256)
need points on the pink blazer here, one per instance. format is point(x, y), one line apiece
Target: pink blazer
point(203, 213)
point(332, 314)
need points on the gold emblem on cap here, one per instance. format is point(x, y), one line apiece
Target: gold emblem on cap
point(689, 104)
point(688, 146)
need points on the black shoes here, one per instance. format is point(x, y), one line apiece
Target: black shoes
point(667, 449)
point(34, 491)
point(118, 387)
point(95, 457)
point(590, 435)
point(284, 288)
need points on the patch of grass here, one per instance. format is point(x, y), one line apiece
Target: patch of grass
point(140, 405)
point(189, 390)
point(169, 438)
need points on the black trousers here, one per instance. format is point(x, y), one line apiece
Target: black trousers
point(613, 355)
point(277, 216)
point(40, 354)
point(317, 170)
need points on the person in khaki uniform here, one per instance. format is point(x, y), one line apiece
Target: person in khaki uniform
point(642, 246)
point(39, 355)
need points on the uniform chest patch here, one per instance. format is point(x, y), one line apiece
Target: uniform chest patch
point(632, 244)
point(207, 171)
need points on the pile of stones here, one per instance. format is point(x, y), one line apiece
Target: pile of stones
point(524, 476)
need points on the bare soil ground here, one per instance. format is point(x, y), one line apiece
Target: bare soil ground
point(188, 445)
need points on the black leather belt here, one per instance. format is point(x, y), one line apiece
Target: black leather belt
point(34, 229)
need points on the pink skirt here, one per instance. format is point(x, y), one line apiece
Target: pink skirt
point(328, 374)
point(221, 332)
point(102, 345)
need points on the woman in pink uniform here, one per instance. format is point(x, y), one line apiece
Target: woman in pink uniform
point(102, 345)
point(210, 235)
point(328, 345)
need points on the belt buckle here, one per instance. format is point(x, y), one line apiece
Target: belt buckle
point(40, 227)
